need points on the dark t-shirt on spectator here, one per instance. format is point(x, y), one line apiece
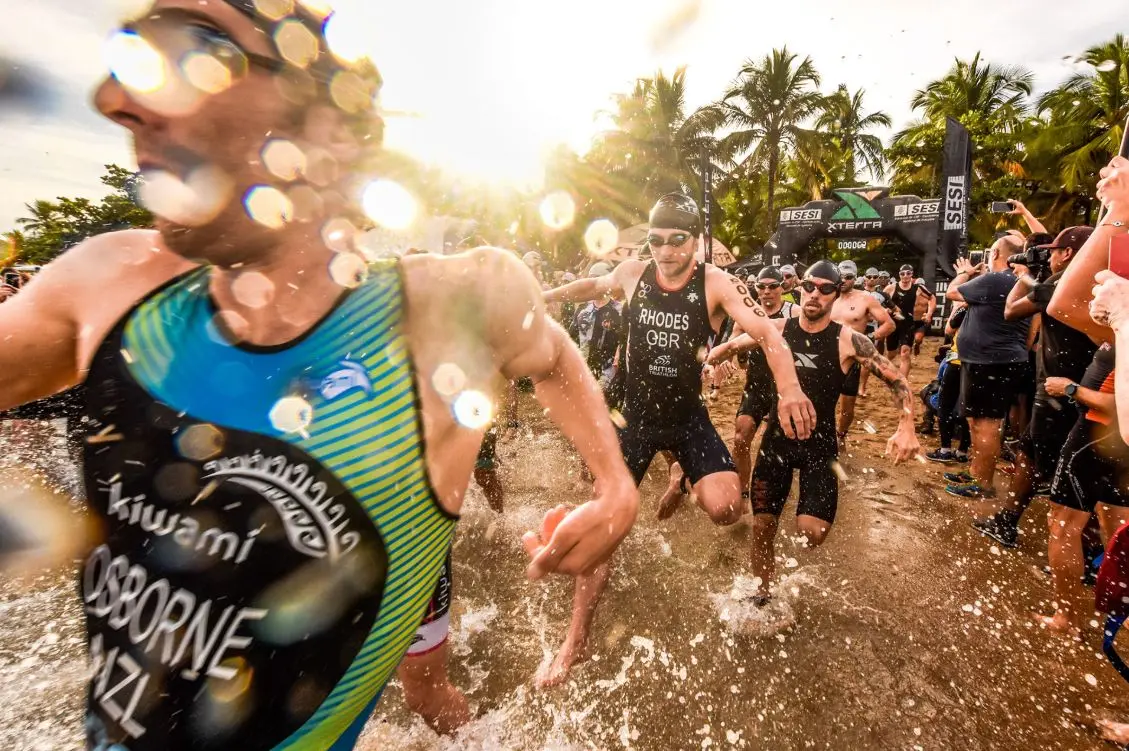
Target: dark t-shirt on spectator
point(1063, 352)
point(986, 338)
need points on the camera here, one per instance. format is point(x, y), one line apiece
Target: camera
point(1033, 258)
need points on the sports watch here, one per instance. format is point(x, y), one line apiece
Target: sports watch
point(1071, 389)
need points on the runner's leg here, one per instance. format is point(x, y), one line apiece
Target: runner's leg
point(585, 598)
point(429, 692)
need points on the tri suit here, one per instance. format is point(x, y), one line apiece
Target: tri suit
point(759, 397)
point(821, 376)
point(904, 301)
point(667, 330)
point(271, 538)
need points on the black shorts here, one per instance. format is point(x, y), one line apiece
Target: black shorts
point(902, 336)
point(850, 386)
point(693, 441)
point(757, 402)
point(778, 457)
point(1091, 469)
point(989, 390)
point(1051, 423)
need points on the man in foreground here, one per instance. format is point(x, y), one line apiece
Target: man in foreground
point(674, 305)
point(824, 352)
point(279, 434)
point(993, 354)
point(857, 310)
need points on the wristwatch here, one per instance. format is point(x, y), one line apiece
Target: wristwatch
point(1071, 389)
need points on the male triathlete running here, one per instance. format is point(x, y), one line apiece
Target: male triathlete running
point(759, 397)
point(906, 298)
point(277, 440)
point(857, 310)
point(674, 305)
point(824, 352)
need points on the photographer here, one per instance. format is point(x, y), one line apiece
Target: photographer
point(1062, 353)
point(993, 354)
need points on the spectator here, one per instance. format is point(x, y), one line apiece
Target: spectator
point(993, 354)
point(789, 283)
point(952, 425)
point(1062, 353)
point(598, 328)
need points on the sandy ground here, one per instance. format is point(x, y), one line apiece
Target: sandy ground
point(908, 630)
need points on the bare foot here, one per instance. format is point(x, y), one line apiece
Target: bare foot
point(556, 672)
point(673, 497)
point(862, 393)
point(1058, 624)
point(1114, 732)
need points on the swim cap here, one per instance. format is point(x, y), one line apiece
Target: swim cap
point(824, 270)
point(771, 272)
point(905, 267)
point(872, 272)
point(677, 211)
point(884, 274)
point(848, 267)
point(788, 269)
point(600, 269)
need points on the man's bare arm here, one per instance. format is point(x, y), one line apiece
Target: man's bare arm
point(529, 343)
point(1018, 306)
point(882, 317)
point(903, 444)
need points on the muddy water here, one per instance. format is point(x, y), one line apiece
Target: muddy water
point(908, 630)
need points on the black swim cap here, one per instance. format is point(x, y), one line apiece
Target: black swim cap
point(906, 267)
point(771, 272)
point(677, 211)
point(824, 270)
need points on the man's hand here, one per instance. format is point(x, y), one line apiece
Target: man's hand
point(724, 369)
point(1056, 386)
point(574, 542)
point(1017, 208)
point(1110, 306)
point(964, 266)
point(903, 445)
point(796, 413)
point(719, 354)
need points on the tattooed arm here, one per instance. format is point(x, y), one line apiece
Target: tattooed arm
point(856, 347)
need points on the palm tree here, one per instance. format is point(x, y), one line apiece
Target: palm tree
point(842, 118)
point(655, 143)
point(1085, 116)
point(765, 109)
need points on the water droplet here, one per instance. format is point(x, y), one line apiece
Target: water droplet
point(775, 102)
point(296, 44)
point(190, 203)
point(558, 210)
point(473, 410)
point(1091, 680)
point(274, 10)
point(348, 269)
point(1076, 103)
point(388, 204)
point(206, 72)
point(1105, 66)
point(291, 414)
point(268, 206)
point(252, 289)
point(448, 379)
point(199, 442)
point(284, 159)
point(601, 237)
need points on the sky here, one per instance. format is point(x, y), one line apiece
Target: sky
point(493, 85)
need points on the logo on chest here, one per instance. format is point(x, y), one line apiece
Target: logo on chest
point(349, 376)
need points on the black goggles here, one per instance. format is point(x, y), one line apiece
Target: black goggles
point(827, 288)
point(677, 240)
point(768, 285)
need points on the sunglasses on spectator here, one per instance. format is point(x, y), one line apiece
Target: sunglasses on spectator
point(827, 288)
point(768, 285)
point(676, 240)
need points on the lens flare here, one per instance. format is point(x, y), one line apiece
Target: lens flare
point(338, 234)
point(199, 442)
point(601, 238)
point(252, 289)
point(206, 73)
point(349, 92)
point(274, 10)
point(388, 204)
point(558, 210)
point(268, 206)
point(135, 63)
point(473, 410)
point(319, 8)
point(291, 414)
point(347, 37)
point(284, 160)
